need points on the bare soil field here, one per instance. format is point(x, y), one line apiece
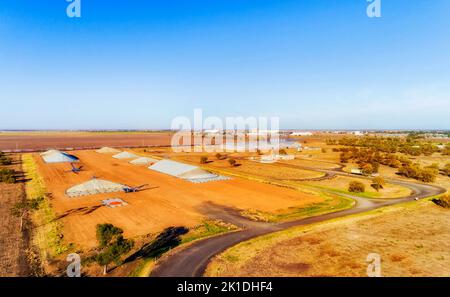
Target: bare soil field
point(167, 202)
point(12, 241)
point(43, 141)
point(412, 239)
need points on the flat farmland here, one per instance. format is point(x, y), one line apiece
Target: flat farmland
point(167, 202)
point(81, 140)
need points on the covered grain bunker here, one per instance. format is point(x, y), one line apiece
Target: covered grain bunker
point(144, 161)
point(54, 156)
point(125, 155)
point(48, 152)
point(107, 150)
point(94, 186)
point(185, 171)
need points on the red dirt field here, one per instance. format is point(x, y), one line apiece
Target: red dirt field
point(169, 201)
point(43, 141)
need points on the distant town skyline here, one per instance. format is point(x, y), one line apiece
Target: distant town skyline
point(317, 65)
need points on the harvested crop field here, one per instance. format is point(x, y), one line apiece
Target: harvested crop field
point(12, 240)
point(167, 201)
point(82, 140)
point(412, 239)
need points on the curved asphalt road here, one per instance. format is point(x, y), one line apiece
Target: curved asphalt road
point(192, 260)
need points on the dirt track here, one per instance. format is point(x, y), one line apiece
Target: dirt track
point(192, 261)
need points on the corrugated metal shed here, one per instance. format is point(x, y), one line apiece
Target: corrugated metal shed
point(94, 186)
point(55, 156)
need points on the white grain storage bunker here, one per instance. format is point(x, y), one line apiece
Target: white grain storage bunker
point(125, 155)
point(187, 172)
point(144, 161)
point(94, 186)
point(55, 156)
point(107, 150)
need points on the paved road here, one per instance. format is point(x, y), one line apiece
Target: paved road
point(192, 260)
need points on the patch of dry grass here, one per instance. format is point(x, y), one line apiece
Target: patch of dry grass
point(412, 239)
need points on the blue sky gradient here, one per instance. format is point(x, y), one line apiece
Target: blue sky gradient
point(317, 64)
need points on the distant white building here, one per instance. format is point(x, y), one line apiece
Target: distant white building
point(356, 171)
point(301, 133)
point(357, 133)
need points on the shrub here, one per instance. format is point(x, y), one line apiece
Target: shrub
point(447, 169)
point(356, 187)
point(443, 201)
point(5, 160)
point(7, 176)
point(218, 156)
point(232, 162)
point(112, 244)
point(378, 183)
point(203, 160)
point(367, 169)
point(282, 152)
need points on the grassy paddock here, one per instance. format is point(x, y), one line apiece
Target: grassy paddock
point(47, 232)
point(238, 256)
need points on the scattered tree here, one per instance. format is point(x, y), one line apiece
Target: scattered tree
point(7, 176)
point(443, 201)
point(367, 169)
point(203, 160)
point(232, 162)
point(356, 187)
point(112, 245)
point(20, 209)
point(378, 183)
point(447, 169)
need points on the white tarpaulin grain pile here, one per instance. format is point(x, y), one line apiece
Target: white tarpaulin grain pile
point(185, 171)
point(54, 156)
point(94, 186)
point(125, 155)
point(107, 150)
point(143, 161)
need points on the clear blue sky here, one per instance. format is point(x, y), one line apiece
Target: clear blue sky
point(137, 64)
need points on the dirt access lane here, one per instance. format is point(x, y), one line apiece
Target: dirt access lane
point(193, 260)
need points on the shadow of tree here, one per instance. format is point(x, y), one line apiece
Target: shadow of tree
point(165, 241)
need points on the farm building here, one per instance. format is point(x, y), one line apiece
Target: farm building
point(125, 155)
point(94, 186)
point(107, 150)
point(185, 171)
point(143, 161)
point(301, 133)
point(54, 156)
point(356, 171)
